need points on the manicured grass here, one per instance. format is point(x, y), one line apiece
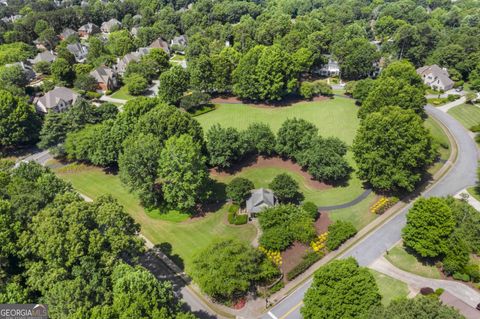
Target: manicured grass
point(401, 259)
point(390, 288)
point(122, 94)
point(442, 140)
point(177, 57)
point(468, 115)
point(186, 238)
point(333, 117)
point(359, 215)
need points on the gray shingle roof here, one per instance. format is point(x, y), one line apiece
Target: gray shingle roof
point(260, 199)
point(437, 72)
point(52, 98)
point(45, 56)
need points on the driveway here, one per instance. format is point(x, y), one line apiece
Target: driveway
point(450, 105)
point(373, 246)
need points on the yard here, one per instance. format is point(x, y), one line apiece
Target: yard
point(390, 288)
point(402, 259)
point(186, 237)
point(468, 115)
point(122, 94)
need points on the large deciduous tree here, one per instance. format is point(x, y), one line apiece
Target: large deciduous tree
point(261, 138)
point(227, 269)
point(173, 84)
point(356, 58)
point(239, 189)
point(285, 188)
point(341, 289)
point(429, 225)
point(392, 149)
point(183, 172)
point(294, 136)
point(19, 124)
point(225, 146)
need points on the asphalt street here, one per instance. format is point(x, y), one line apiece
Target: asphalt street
point(461, 175)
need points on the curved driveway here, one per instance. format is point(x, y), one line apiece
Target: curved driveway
point(461, 175)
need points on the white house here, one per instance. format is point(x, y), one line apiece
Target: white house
point(435, 77)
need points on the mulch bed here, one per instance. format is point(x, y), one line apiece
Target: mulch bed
point(285, 102)
point(261, 161)
point(322, 223)
point(294, 254)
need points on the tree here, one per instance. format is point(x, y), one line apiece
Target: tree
point(183, 172)
point(402, 70)
point(42, 67)
point(225, 146)
point(228, 269)
point(136, 84)
point(138, 165)
point(261, 138)
point(12, 76)
point(62, 71)
point(392, 149)
point(173, 84)
point(294, 136)
point(283, 224)
point(85, 82)
point(19, 123)
point(420, 307)
point(285, 188)
point(324, 159)
point(429, 225)
point(362, 89)
point(201, 74)
point(239, 189)
point(356, 58)
point(392, 91)
point(341, 289)
point(194, 100)
point(120, 43)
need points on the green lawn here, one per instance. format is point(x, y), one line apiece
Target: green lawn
point(473, 192)
point(122, 94)
point(186, 237)
point(359, 215)
point(468, 115)
point(400, 258)
point(177, 57)
point(390, 288)
point(442, 139)
point(334, 117)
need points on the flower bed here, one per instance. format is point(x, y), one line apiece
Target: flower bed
point(319, 243)
point(383, 204)
point(273, 255)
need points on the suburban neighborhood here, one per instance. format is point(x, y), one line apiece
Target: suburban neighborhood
point(239, 159)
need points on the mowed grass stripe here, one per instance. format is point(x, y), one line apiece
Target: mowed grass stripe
point(468, 115)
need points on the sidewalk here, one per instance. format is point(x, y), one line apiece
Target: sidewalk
point(450, 105)
point(463, 292)
point(469, 198)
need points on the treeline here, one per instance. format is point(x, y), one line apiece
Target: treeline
point(79, 258)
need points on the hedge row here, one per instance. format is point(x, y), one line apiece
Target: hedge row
point(307, 260)
point(338, 233)
point(234, 218)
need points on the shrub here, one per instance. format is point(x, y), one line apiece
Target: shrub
point(307, 260)
point(136, 84)
point(453, 97)
point(285, 188)
point(233, 208)
point(311, 209)
point(236, 219)
point(310, 89)
point(426, 291)
point(93, 95)
point(338, 233)
point(239, 189)
point(473, 271)
point(461, 276)
point(439, 291)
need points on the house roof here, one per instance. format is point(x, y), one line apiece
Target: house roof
point(108, 25)
point(129, 57)
point(67, 32)
point(46, 56)
point(103, 74)
point(160, 43)
point(27, 69)
point(261, 198)
point(54, 97)
point(180, 40)
point(437, 72)
point(77, 49)
point(89, 28)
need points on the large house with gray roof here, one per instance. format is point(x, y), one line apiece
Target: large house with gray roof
point(259, 200)
point(122, 63)
point(436, 77)
point(110, 25)
point(57, 100)
point(45, 56)
point(79, 51)
point(88, 29)
point(106, 78)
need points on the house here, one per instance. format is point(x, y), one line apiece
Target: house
point(45, 56)
point(259, 200)
point(110, 25)
point(435, 77)
point(80, 51)
point(122, 63)
point(106, 78)
point(27, 70)
point(331, 68)
point(88, 29)
point(56, 100)
point(67, 32)
point(180, 41)
point(160, 43)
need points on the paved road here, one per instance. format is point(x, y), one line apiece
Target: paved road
point(460, 176)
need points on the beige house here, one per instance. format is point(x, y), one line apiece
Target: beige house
point(435, 77)
point(57, 100)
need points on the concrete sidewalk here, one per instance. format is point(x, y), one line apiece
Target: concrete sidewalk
point(464, 194)
point(460, 290)
point(450, 105)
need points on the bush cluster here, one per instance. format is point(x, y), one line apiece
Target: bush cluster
point(338, 233)
point(307, 260)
